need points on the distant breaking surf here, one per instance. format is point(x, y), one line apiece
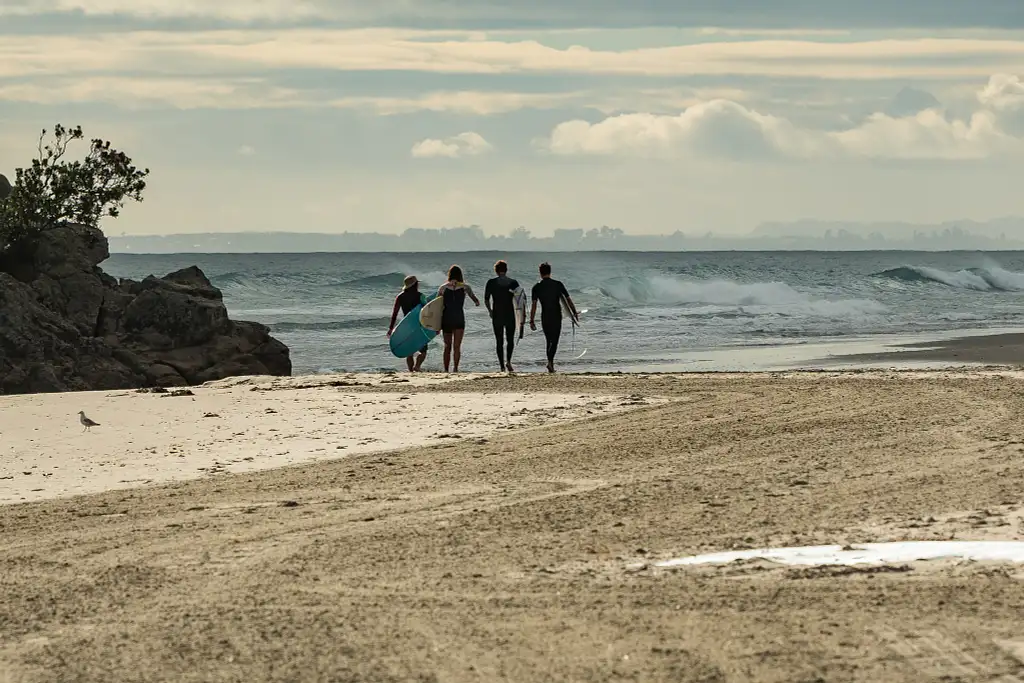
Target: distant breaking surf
point(978, 279)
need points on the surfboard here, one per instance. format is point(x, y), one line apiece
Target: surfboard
point(430, 316)
point(409, 336)
point(519, 299)
point(567, 312)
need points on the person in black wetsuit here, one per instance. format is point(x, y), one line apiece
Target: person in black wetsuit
point(549, 293)
point(409, 299)
point(499, 302)
point(453, 318)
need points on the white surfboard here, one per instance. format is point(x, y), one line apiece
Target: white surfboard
point(519, 299)
point(567, 312)
point(430, 315)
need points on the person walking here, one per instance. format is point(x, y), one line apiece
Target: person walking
point(409, 298)
point(498, 298)
point(549, 293)
point(453, 318)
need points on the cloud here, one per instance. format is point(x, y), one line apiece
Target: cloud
point(728, 129)
point(462, 145)
point(1004, 96)
point(478, 103)
point(129, 92)
point(256, 53)
point(246, 151)
point(742, 14)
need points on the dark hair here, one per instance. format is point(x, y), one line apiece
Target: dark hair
point(455, 273)
point(545, 268)
point(500, 267)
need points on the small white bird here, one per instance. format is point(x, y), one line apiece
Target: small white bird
point(86, 422)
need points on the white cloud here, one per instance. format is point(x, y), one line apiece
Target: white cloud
point(741, 14)
point(461, 145)
point(130, 92)
point(134, 93)
point(246, 151)
point(1004, 95)
point(478, 103)
point(240, 52)
point(725, 128)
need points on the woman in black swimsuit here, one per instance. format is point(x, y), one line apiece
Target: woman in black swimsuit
point(409, 299)
point(453, 318)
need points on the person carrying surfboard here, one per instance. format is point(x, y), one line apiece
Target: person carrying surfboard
point(500, 302)
point(453, 317)
point(409, 298)
point(550, 293)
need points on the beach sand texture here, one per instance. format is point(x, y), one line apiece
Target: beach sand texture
point(243, 426)
point(529, 554)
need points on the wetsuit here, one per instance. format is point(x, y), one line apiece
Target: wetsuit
point(454, 315)
point(549, 293)
point(408, 300)
point(503, 317)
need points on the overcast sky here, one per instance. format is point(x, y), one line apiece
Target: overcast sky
point(333, 115)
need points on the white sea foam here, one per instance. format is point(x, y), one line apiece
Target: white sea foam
point(754, 298)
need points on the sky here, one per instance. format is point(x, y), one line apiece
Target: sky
point(650, 115)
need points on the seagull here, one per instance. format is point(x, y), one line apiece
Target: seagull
point(86, 422)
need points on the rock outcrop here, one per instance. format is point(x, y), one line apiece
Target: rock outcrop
point(65, 325)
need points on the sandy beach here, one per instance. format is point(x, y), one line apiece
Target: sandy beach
point(526, 550)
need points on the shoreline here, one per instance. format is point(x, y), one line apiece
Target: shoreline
point(1000, 349)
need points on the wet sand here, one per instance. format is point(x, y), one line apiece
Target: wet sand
point(529, 555)
point(995, 349)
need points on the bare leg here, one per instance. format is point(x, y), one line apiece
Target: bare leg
point(457, 334)
point(448, 351)
point(409, 362)
point(420, 357)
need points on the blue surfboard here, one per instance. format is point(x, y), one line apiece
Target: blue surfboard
point(409, 335)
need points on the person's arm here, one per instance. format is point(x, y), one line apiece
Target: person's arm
point(488, 293)
point(394, 317)
point(469, 291)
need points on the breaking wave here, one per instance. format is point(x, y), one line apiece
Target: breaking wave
point(991, 279)
point(761, 297)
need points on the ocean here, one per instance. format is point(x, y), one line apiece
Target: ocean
point(644, 311)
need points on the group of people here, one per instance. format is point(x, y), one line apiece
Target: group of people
point(499, 298)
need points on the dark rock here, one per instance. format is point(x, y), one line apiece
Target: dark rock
point(65, 325)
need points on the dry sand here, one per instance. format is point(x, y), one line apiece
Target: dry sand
point(243, 426)
point(527, 557)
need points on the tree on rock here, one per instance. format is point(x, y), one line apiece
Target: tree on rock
point(54, 191)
